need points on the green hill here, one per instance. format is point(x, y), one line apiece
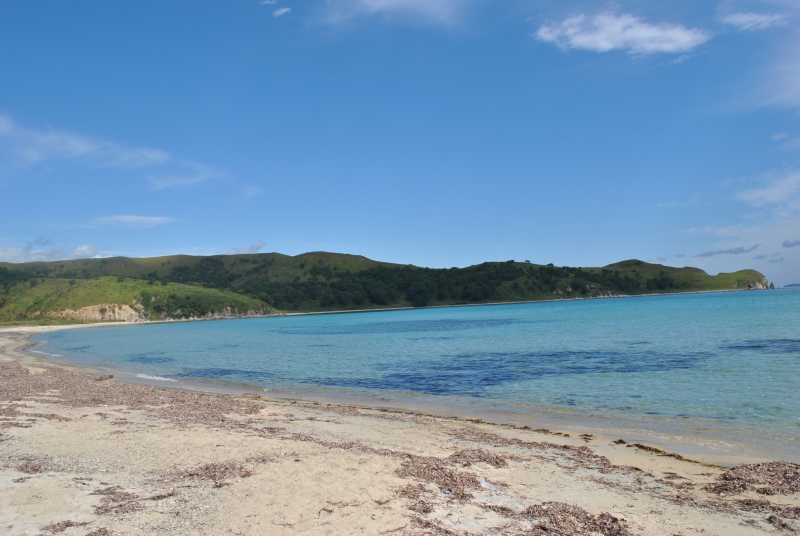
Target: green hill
point(183, 286)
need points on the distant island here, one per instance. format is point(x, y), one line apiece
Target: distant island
point(792, 285)
point(189, 287)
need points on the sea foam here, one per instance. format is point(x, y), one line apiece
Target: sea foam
point(159, 378)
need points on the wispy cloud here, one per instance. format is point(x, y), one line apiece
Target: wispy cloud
point(781, 189)
point(252, 248)
point(779, 136)
point(42, 249)
point(189, 174)
point(780, 82)
point(132, 221)
point(30, 146)
point(281, 11)
point(788, 244)
point(437, 11)
point(730, 251)
point(754, 21)
point(605, 32)
point(25, 147)
point(781, 259)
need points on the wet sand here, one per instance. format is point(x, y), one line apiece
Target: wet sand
point(82, 453)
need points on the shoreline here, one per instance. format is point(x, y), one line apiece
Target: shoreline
point(81, 451)
point(376, 310)
point(711, 446)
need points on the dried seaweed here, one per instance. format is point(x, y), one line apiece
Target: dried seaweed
point(30, 465)
point(217, 472)
point(465, 458)
point(763, 506)
point(769, 478)
point(557, 519)
point(578, 456)
point(61, 526)
point(102, 531)
point(780, 524)
point(117, 501)
point(75, 388)
point(434, 470)
point(662, 452)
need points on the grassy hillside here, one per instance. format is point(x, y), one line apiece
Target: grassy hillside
point(34, 298)
point(319, 281)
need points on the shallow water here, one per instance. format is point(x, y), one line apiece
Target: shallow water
point(721, 368)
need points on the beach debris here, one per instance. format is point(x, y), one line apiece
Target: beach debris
point(768, 478)
point(116, 501)
point(488, 485)
point(581, 456)
point(102, 531)
point(435, 470)
point(658, 451)
point(217, 472)
point(763, 506)
point(557, 519)
point(30, 465)
point(61, 526)
point(780, 524)
point(465, 458)
point(620, 442)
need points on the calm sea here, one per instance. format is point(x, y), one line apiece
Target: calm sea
point(720, 370)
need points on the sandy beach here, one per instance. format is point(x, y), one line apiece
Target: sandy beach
point(82, 453)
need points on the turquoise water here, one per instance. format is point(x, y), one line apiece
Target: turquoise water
point(722, 364)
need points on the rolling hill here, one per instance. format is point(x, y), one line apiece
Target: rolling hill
point(183, 286)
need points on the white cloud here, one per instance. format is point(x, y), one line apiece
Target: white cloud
point(780, 190)
point(267, 2)
point(779, 136)
point(281, 11)
point(439, 11)
point(31, 146)
point(754, 21)
point(780, 85)
point(252, 248)
point(605, 32)
point(28, 147)
point(43, 249)
point(190, 173)
point(132, 221)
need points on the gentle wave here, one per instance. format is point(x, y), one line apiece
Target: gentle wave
point(46, 353)
point(159, 378)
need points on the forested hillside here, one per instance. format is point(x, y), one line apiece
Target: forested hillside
point(326, 281)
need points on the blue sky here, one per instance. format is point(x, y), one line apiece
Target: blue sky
point(434, 132)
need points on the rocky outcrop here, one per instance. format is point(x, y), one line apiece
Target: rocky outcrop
point(227, 313)
point(110, 312)
point(758, 284)
point(114, 312)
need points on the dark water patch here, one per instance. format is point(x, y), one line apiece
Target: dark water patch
point(404, 326)
point(767, 346)
point(320, 345)
point(223, 373)
point(223, 346)
point(431, 338)
point(77, 349)
point(150, 359)
point(473, 374)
